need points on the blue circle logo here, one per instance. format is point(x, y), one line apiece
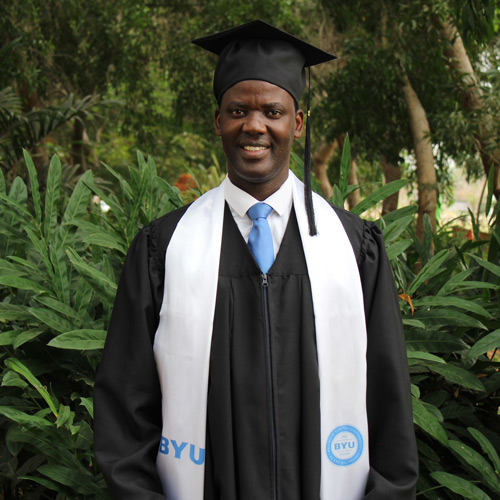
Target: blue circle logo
point(344, 445)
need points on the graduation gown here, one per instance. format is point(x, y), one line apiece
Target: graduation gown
point(263, 415)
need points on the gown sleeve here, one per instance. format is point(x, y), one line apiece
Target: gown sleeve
point(392, 446)
point(127, 395)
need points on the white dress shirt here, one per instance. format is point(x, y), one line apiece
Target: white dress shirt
point(240, 201)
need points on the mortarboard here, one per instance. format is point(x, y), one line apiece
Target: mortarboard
point(259, 51)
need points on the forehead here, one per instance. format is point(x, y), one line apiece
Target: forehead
point(257, 91)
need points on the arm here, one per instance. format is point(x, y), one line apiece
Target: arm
point(393, 453)
point(127, 423)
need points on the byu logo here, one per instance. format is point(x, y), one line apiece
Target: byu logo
point(167, 446)
point(344, 445)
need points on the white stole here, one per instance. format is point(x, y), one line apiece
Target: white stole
point(183, 341)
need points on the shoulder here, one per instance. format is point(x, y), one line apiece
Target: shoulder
point(361, 233)
point(155, 237)
point(163, 227)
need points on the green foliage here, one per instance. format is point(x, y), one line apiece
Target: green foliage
point(451, 315)
point(57, 282)
point(60, 261)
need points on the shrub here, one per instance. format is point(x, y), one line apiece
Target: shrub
point(57, 283)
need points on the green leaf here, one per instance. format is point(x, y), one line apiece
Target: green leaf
point(8, 338)
point(345, 167)
point(395, 228)
point(13, 312)
point(19, 192)
point(83, 296)
point(80, 482)
point(415, 391)
point(459, 486)
point(428, 271)
point(64, 414)
point(12, 379)
point(42, 481)
point(433, 341)
point(51, 319)
point(379, 195)
point(109, 200)
point(492, 268)
point(80, 340)
point(95, 277)
point(446, 316)
point(124, 185)
point(25, 336)
point(59, 307)
point(172, 192)
point(89, 405)
point(457, 375)
point(42, 250)
point(428, 422)
point(337, 199)
point(413, 322)
point(79, 200)
point(22, 284)
point(35, 188)
point(108, 240)
point(8, 269)
point(52, 442)
point(487, 447)
point(467, 305)
point(424, 356)
point(17, 366)
point(52, 198)
point(474, 459)
point(17, 211)
point(476, 285)
point(3, 189)
point(23, 418)
point(398, 248)
point(449, 285)
point(396, 215)
point(487, 343)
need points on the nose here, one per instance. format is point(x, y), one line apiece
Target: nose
point(254, 123)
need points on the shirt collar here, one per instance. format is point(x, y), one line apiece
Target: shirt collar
point(240, 201)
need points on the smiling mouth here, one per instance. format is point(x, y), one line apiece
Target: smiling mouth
point(254, 148)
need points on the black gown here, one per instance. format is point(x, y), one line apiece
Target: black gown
point(252, 423)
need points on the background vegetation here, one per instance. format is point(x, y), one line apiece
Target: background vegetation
point(83, 86)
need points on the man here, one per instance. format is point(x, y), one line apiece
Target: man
point(256, 356)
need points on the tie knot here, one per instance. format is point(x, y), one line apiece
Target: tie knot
point(259, 211)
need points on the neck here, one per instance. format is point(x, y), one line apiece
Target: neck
point(260, 190)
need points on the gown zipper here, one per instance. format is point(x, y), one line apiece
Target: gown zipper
point(272, 416)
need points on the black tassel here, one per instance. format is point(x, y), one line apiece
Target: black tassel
point(307, 168)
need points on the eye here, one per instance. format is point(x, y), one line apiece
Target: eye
point(237, 113)
point(274, 113)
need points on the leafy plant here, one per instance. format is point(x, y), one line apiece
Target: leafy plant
point(57, 285)
point(450, 310)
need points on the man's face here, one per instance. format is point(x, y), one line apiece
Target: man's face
point(257, 122)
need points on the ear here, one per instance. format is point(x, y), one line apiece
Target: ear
point(299, 124)
point(217, 122)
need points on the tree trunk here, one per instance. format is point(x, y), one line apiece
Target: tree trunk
point(426, 174)
point(320, 167)
point(355, 197)
point(391, 173)
point(459, 61)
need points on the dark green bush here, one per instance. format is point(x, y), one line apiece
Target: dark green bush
point(58, 272)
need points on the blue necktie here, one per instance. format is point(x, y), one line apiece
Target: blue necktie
point(260, 240)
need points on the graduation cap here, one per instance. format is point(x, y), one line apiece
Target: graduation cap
point(259, 51)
